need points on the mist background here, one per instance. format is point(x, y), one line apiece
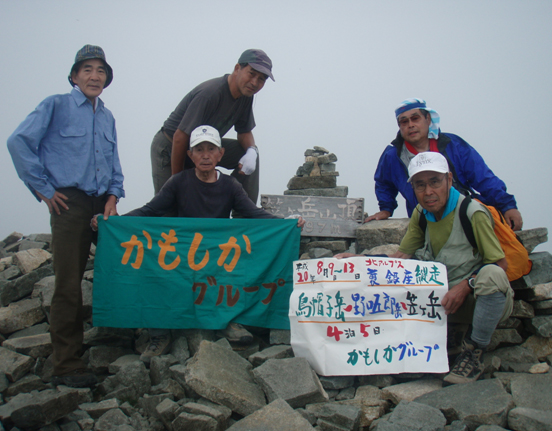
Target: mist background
point(341, 68)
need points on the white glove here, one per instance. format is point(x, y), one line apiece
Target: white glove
point(248, 161)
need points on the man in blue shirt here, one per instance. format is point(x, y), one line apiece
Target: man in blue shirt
point(65, 152)
point(419, 132)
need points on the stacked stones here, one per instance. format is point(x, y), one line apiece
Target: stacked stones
point(207, 384)
point(318, 177)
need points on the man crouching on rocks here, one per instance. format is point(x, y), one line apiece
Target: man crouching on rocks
point(203, 192)
point(479, 290)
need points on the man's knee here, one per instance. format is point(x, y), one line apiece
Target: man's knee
point(492, 279)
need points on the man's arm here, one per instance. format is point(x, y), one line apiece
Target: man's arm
point(472, 171)
point(386, 191)
point(180, 144)
point(248, 162)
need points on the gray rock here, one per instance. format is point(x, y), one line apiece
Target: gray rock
point(318, 253)
point(292, 380)
point(380, 381)
point(186, 421)
point(336, 416)
point(113, 420)
point(327, 158)
point(36, 346)
point(14, 365)
point(180, 349)
point(380, 232)
point(28, 383)
point(334, 192)
point(533, 391)
point(195, 337)
point(280, 336)
point(39, 328)
point(167, 410)
point(540, 346)
point(121, 361)
point(542, 268)
point(272, 352)
point(530, 238)
point(542, 305)
point(504, 336)
point(541, 325)
point(337, 382)
point(512, 357)
point(10, 273)
point(96, 410)
point(12, 238)
point(346, 394)
point(540, 292)
point(148, 403)
point(169, 386)
point(276, 416)
point(201, 409)
point(409, 391)
point(483, 402)
point(42, 408)
point(159, 368)
point(296, 183)
point(334, 246)
point(134, 378)
point(224, 377)
point(29, 260)
point(387, 249)
point(97, 335)
point(102, 356)
point(21, 314)
point(522, 310)
point(21, 287)
point(412, 416)
point(528, 419)
point(28, 244)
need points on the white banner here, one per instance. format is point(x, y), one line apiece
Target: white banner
point(369, 315)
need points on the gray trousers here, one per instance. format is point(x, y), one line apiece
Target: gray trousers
point(161, 149)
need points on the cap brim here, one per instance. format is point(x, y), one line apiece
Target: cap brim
point(206, 139)
point(262, 69)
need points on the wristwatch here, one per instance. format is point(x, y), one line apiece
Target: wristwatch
point(471, 283)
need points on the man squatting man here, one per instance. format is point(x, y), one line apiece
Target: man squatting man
point(202, 192)
point(479, 291)
point(221, 103)
point(65, 152)
point(419, 132)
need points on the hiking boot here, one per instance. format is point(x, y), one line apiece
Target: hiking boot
point(81, 378)
point(236, 333)
point(159, 345)
point(467, 367)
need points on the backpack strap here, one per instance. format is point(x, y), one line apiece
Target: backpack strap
point(466, 223)
point(422, 222)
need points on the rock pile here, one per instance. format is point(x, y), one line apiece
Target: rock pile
point(207, 384)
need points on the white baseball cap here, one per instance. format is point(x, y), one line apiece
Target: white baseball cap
point(428, 161)
point(205, 134)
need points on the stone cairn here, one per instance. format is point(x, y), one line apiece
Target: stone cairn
point(207, 384)
point(318, 177)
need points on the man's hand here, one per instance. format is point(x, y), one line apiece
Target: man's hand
point(513, 218)
point(55, 202)
point(248, 162)
point(110, 207)
point(382, 215)
point(300, 220)
point(455, 297)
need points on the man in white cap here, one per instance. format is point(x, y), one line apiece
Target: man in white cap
point(477, 279)
point(419, 132)
point(202, 192)
point(222, 103)
point(66, 153)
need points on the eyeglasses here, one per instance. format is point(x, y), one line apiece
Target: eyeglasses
point(434, 183)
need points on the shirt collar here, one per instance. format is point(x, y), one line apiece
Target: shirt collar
point(80, 98)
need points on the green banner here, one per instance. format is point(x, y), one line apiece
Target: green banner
point(164, 272)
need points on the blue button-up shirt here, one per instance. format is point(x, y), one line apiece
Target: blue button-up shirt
point(64, 143)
